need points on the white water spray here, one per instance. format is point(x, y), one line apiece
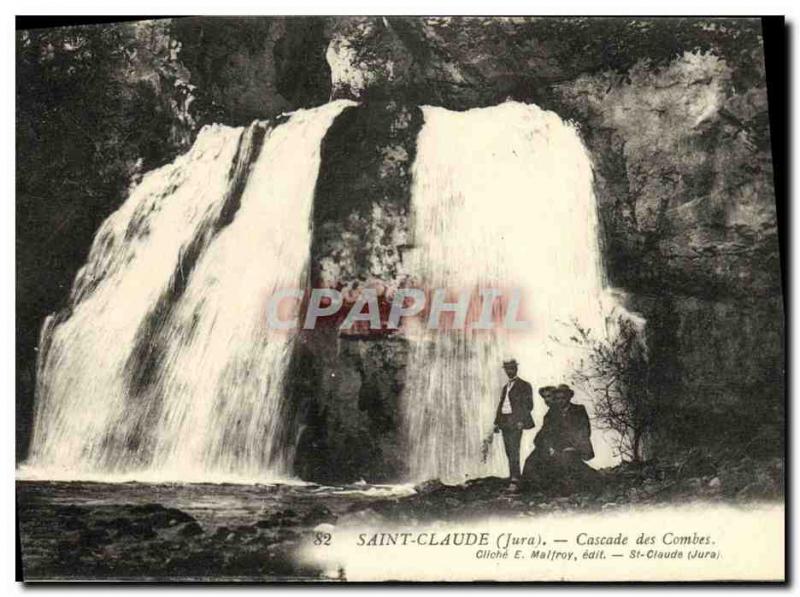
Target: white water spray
point(502, 197)
point(164, 367)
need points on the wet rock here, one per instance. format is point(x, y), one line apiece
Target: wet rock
point(94, 537)
point(140, 531)
point(159, 516)
point(190, 529)
point(69, 510)
point(319, 514)
point(121, 525)
point(348, 384)
point(73, 524)
point(286, 517)
point(428, 486)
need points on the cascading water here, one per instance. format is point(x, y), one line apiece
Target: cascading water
point(502, 198)
point(164, 367)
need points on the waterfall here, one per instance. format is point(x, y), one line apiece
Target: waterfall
point(502, 197)
point(163, 366)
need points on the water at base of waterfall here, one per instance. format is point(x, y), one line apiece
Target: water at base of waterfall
point(81, 530)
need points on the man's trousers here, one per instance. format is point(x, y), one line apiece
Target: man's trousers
point(511, 441)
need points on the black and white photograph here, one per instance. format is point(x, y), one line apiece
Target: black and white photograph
point(395, 298)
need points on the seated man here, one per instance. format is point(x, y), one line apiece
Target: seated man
point(561, 447)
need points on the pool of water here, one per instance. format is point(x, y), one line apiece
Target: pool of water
point(209, 503)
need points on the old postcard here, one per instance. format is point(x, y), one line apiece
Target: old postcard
point(400, 299)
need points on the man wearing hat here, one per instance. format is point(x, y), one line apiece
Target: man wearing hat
point(514, 415)
point(562, 445)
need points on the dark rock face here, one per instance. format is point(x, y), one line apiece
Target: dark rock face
point(250, 68)
point(718, 372)
point(347, 386)
point(349, 410)
point(684, 186)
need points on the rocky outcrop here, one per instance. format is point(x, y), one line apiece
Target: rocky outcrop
point(684, 176)
point(120, 541)
point(243, 69)
point(347, 386)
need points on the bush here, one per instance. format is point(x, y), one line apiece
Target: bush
point(616, 372)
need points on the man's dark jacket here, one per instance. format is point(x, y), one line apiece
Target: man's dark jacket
point(521, 398)
point(569, 428)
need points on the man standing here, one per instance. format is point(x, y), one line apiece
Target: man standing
point(514, 415)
